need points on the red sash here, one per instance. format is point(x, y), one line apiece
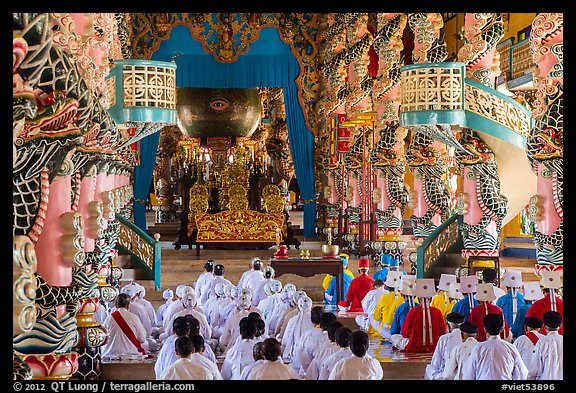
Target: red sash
point(127, 331)
point(533, 337)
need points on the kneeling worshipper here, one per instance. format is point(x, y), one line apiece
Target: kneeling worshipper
point(513, 299)
point(485, 295)
point(126, 334)
point(199, 357)
point(550, 282)
point(240, 353)
point(272, 299)
point(527, 342)
point(181, 327)
point(272, 368)
point(287, 315)
point(168, 296)
point(286, 295)
point(359, 366)
point(407, 287)
point(258, 359)
point(295, 329)
point(384, 265)
point(216, 303)
point(446, 344)
point(208, 289)
point(190, 308)
point(342, 339)
point(532, 292)
point(549, 351)
point(184, 368)
point(139, 309)
point(460, 353)
point(468, 290)
point(259, 293)
point(204, 278)
point(424, 324)
point(231, 328)
point(172, 309)
point(141, 299)
point(252, 278)
point(358, 288)
point(384, 311)
point(442, 301)
point(325, 350)
point(366, 321)
point(330, 293)
point(312, 340)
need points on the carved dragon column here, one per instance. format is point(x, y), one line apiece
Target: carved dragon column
point(545, 143)
point(430, 197)
point(387, 156)
point(353, 161)
point(482, 204)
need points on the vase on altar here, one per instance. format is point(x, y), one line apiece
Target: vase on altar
point(281, 252)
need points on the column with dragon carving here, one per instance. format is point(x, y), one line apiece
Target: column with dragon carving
point(278, 144)
point(545, 143)
point(430, 196)
point(390, 195)
point(481, 203)
point(165, 210)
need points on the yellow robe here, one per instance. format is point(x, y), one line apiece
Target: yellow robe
point(328, 278)
point(443, 303)
point(385, 308)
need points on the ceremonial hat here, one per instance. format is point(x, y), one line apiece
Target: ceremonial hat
point(468, 284)
point(220, 289)
point(447, 281)
point(385, 259)
point(424, 288)
point(167, 294)
point(254, 260)
point(532, 291)
point(276, 286)
point(394, 262)
point(468, 327)
point(345, 258)
point(533, 322)
point(552, 319)
point(485, 292)
point(363, 262)
point(305, 303)
point(407, 286)
point(180, 290)
point(130, 290)
point(551, 279)
point(454, 293)
point(393, 279)
point(512, 278)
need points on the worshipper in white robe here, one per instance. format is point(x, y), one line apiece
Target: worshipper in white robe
point(286, 296)
point(258, 359)
point(254, 271)
point(494, 359)
point(460, 353)
point(204, 278)
point(296, 327)
point(216, 303)
point(199, 357)
point(223, 314)
point(241, 353)
point(184, 368)
point(261, 329)
point(272, 368)
point(168, 296)
point(268, 304)
point(527, 342)
point(342, 339)
point(195, 329)
point(446, 343)
point(369, 306)
point(259, 293)
point(174, 307)
point(287, 316)
point(359, 366)
point(549, 351)
point(231, 329)
point(140, 298)
point(102, 311)
point(313, 339)
point(118, 343)
point(181, 327)
point(138, 308)
point(313, 370)
point(218, 277)
point(190, 308)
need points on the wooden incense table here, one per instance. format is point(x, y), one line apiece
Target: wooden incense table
point(310, 267)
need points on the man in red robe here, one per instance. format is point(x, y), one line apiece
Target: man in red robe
point(358, 288)
point(485, 294)
point(550, 281)
point(424, 324)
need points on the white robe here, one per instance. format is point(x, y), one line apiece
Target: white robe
point(171, 309)
point(357, 368)
point(526, 349)
point(446, 343)
point(231, 329)
point(186, 369)
point(285, 319)
point(369, 306)
point(295, 329)
point(248, 368)
point(209, 288)
point(140, 311)
point(207, 363)
point(100, 315)
point(161, 311)
point(118, 344)
point(202, 284)
point(237, 357)
point(167, 355)
point(205, 328)
point(258, 294)
point(212, 309)
point(267, 307)
point(459, 355)
point(494, 359)
point(249, 279)
point(269, 370)
point(308, 345)
point(549, 357)
point(228, 310)
point(327, 365)
point(313, 370)
point(149, 308)
point(277, 313)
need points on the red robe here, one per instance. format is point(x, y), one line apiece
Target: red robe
point(357, 290)
point(413, 325)
point(540, 307)
point(477, 318)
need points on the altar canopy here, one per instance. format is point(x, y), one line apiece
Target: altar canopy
point(269, 62)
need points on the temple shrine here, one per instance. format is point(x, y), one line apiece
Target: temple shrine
point(146, 143)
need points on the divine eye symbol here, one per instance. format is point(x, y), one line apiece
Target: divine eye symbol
point(219, 104)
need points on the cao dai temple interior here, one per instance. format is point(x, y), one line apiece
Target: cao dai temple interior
point(146, 144)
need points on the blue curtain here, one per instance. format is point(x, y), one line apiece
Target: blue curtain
point(143, 177)
point(268, 63)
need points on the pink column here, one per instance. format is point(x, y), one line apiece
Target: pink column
point(87, 189)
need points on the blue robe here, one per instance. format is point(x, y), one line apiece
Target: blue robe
point(332, 289)
point(505, 303)
point(399, 316)
point(462, 306)
point(518, 326)
point(381, 274)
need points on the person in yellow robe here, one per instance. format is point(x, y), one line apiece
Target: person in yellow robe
point(328, 278)
point(442, 301)
point(388, 303)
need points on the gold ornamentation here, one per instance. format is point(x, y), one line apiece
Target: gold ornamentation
point(131, 241)
point(440, 244)
point(238, 226)
point(273, 201)
point(237, 198)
